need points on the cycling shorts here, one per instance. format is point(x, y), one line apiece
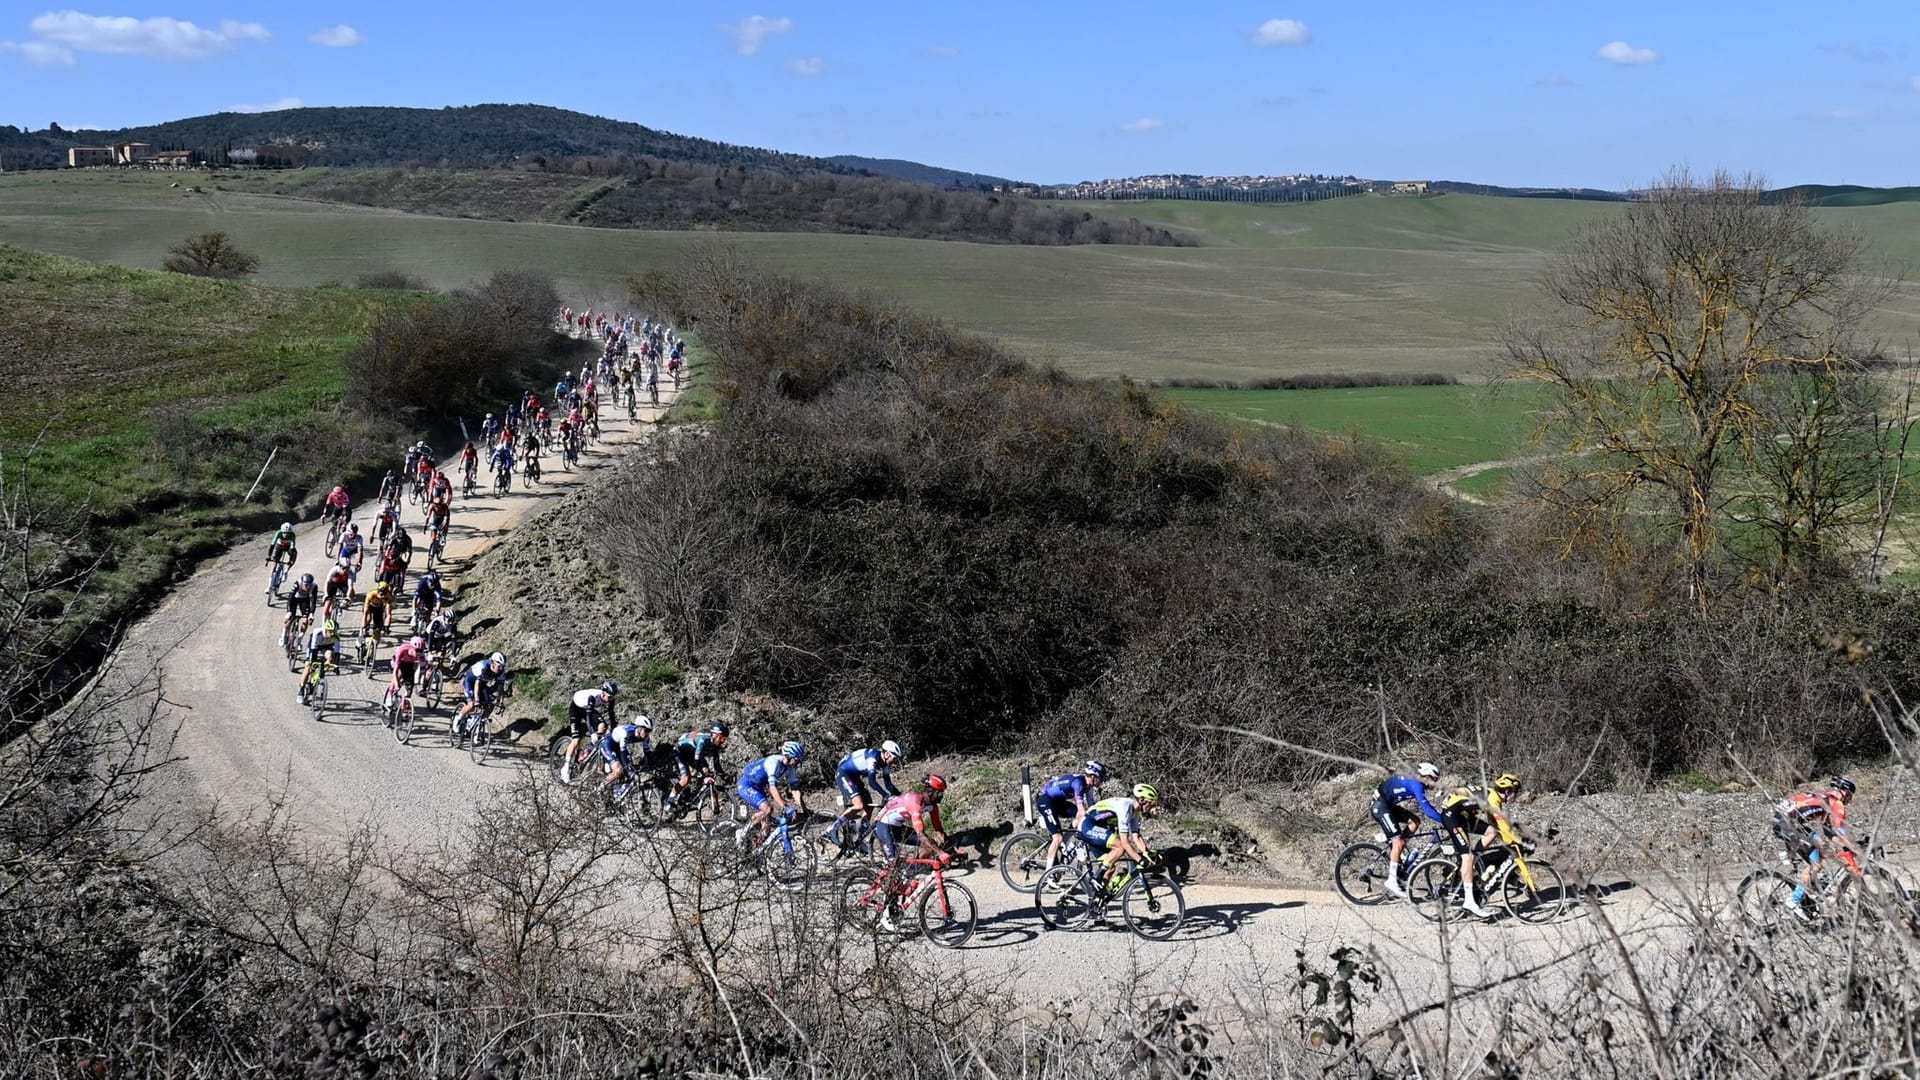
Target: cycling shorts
point(752, 796)
point(377, 619)
point(1055, 811)
point(852, 785)
point(337, 589)
point(476, 691)
point(1801, 841)
point(1393, 818)
point(892, 836)
point(407, 670)
point(616, 753)
point(579, 720)
point(1462, 825)
point(1098, 837)
point(687, 760)
point(298, 604)
point(316, 652)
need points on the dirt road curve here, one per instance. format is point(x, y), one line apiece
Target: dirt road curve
point(244, 739)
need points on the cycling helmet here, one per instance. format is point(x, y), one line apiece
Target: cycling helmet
point(489, 416)
point(499, 658)
point(306, 579)
point(1095, 769)
point(331, 626)
point(792, 749)
point(354, 529)
point(1427, 770)
point(891, 747)
point(1506, 782)
point(610, 688)
point(719, 729)
point(642, 721)
point(1842, 784)
point(1146, 793)
point(286, 526)
point(936, 783)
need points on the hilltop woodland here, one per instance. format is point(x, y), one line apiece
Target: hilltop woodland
point(653, 193)
point(906, 524)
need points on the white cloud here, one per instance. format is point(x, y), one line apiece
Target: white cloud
point(38, 52)
point(1619, 52)
point(1146, 125)
point(753, 31)
point(271, 106)
point(1282, 32)
point(60, 34)
point(939, 52)
point(807, 66)
point(336, 37)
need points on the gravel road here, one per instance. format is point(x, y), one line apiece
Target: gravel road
point(244, 742)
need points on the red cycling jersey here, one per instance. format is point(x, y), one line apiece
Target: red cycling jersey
point(407, 653)
point(337, 498)
point(911, 808)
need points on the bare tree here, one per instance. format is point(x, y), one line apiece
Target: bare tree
point(1678, 316)
point(213, 255)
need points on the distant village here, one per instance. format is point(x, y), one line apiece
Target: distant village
point(1297, 187)
point(132, 153)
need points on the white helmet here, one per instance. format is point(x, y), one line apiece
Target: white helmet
point(891, 747)
point(498, 660)
point(1427, 770)
point(641, 721)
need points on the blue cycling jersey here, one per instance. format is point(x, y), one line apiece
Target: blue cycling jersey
point(766, 772)
point(1069, 788)
point(1399, 789)
point(866, 765)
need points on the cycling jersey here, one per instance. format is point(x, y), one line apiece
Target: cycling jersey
point(896, 820)
point(1072, 787)
point(281, 548)
point(863, 769)
point(1121, 814)
point(350, 545)
point(618, 744)
point(586, 706)
point(379, 598)
point(1400, 789)
point(760, 777)
point(300, 599)
point(1810, 810)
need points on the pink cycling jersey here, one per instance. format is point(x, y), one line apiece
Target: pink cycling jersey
point(337, 498)
point(407, 653)
point(902, 809)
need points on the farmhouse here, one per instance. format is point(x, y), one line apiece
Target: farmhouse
point(79, 157)
point(1412, 187)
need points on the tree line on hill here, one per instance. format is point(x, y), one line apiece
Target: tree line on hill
point(653, 193)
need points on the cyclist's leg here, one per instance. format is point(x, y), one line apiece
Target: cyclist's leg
point(1050, 820)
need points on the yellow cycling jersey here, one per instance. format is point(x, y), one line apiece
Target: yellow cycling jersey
point(377, 599)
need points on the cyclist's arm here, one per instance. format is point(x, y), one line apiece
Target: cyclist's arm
point(1426, 807)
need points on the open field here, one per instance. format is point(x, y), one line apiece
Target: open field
point(1362, 284)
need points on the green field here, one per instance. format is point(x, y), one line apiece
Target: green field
point(1430, 428)
point(1351, 285)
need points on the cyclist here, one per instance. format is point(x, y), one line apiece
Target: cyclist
point(339, 579)
point(1813, 824)
point(1113, 826)
point(617, 746)
point(588, 713)
point(301, 598)
point(862, 773)
point(336, 504)
point(384, 523)
point(441, 489)
point(479, 685)
point(698, 750)
point(428, 595)
point(323, 647)
point(441, 633)
point(423, 474)
point(1066, 798)
point(489, 428)
point(389, 488)
point(500, 462)
point(759, 787)
point(469, 460)
point(406, 666)
point(914, 815)
point(378, 606)
point(352, 545)
point(1397, 822)
point(437, 515)
point(281, 548)
point(1472, 817)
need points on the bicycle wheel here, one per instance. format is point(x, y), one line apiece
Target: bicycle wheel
point(1023, 858)
point(1360, 873)
point(947, 913)
point(1765, 898)
point(862, 900)
point(1434, 888)
point(1067, 897)
point(1153, 906)
point(789, 859)
point(640, 806)
point(403, 721)
point(1544, 902)
point(319, 699)
point(478, 746)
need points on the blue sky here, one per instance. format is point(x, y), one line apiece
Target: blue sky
point(1602, 95)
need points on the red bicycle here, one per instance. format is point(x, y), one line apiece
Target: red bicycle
point(945, 910)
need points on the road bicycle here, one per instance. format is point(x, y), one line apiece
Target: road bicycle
point(784, 855)
point(469, 481)
point(436, 543)
point(435, 681)
point(1023, 857)
point(850, 834)
point(398, 710)
point(944, 910)
point(530, 474)
point(1842, 889)
point(1530, 890)
point(1072, 896)
point(475, 733)
point(1360, 870)
point(334, 528)
point(276, 575)
point(313, 688)
point(293, 639)
point(502, 481)
point(582, 759)
point(369, 647)
point(703, 800)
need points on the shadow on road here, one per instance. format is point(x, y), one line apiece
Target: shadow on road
point(1219, 920)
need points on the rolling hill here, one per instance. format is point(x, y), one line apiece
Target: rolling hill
point(918, 173)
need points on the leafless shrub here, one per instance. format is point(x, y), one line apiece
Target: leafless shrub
point(211, 254)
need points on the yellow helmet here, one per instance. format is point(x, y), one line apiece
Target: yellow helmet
point(1506, 783)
